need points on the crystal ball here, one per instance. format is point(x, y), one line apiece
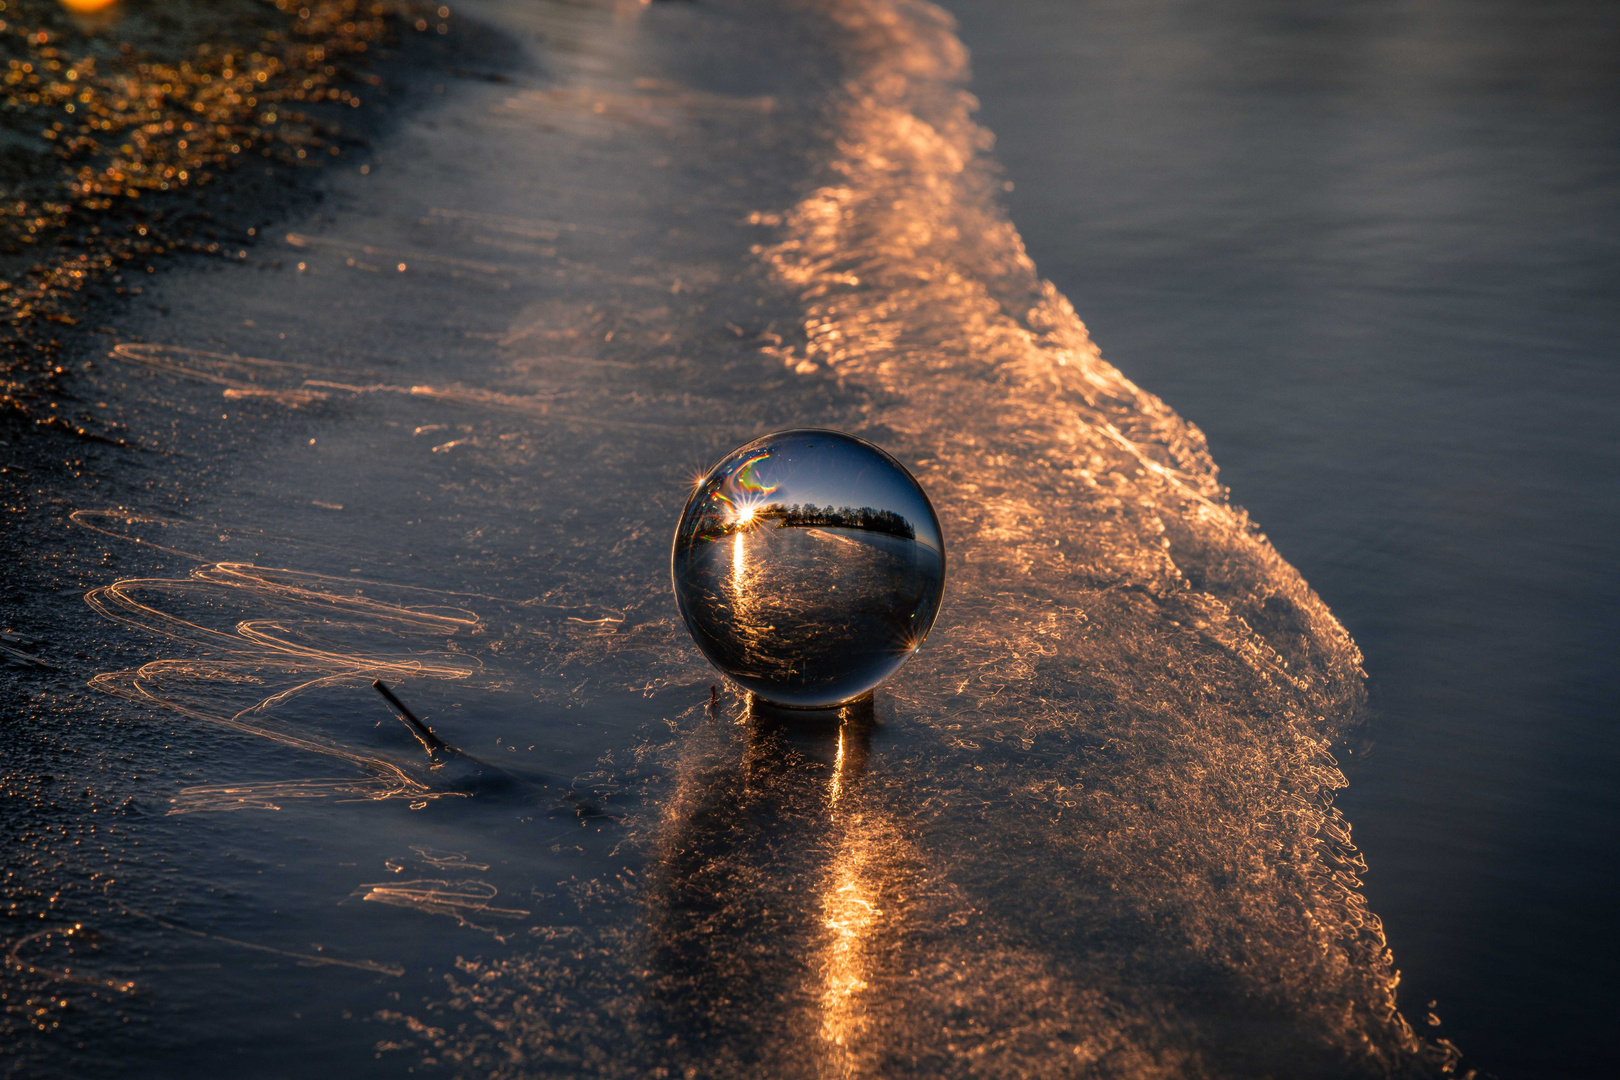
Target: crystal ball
point(808, 565)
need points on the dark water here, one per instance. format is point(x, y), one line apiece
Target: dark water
point(1090, 827)
point(1373, 251)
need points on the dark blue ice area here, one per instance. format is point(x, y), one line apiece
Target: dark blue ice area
point(1373, 251)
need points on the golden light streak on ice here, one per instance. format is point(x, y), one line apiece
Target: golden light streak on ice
point(851, 914)
point(836, 787)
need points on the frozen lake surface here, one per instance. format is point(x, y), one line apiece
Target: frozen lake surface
point(443, 442)
point(1371, 252)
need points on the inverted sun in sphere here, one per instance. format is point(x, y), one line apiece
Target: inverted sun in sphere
point(808, 565)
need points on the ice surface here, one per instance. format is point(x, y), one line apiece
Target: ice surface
point(1087, 831)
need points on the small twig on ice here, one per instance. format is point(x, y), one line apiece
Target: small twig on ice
point(424, 733)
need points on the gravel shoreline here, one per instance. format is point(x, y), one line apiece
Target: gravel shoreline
point(177, 129)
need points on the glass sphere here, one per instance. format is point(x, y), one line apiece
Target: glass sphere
point(808, 566)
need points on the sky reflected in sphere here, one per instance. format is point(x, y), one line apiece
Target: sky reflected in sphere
point(808, 565)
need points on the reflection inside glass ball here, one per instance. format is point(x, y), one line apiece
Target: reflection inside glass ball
point(808, 565)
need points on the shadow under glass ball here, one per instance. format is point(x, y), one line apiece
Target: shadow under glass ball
point(808, 565)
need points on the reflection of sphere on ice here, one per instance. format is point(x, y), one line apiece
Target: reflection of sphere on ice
point(808, 565)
